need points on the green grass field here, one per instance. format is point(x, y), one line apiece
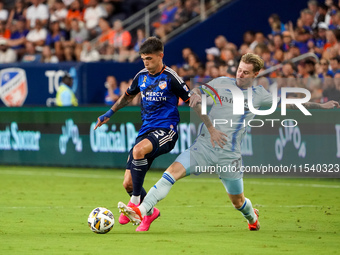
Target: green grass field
point(45, 210)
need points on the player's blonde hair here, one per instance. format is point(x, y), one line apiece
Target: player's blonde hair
point(255, 60)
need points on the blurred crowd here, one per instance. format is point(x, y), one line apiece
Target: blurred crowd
point(317, 31)
point(51, 31)
point(120, 45)
point(115, 90)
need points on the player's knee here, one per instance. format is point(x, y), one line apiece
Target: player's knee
point(177, 170)
point(138, 152)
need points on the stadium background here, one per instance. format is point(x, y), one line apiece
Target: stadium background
point(109, 147)
point(51, 163)
point(199, 37)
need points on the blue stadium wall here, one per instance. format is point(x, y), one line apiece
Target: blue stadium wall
point(43, 80)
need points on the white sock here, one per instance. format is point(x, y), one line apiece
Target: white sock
point(135, 199)
point(247, 211)
point(142, 210)
point(159, 191)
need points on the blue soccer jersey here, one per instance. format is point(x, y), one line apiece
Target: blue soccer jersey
point(160, 93)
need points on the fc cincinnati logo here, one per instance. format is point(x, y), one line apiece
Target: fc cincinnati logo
point(13, 86)
point(162, 84)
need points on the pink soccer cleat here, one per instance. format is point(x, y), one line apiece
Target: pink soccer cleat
point(256, 225)
point(147, 220)
point(122, 218)
point(132, 213)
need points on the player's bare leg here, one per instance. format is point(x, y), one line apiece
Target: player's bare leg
point(244, 205)
point(177, 170)
point(127, 183)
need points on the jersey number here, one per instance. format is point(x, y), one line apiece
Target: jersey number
point(236, 163)
point(158, 133)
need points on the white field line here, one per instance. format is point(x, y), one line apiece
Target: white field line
point(196, 179)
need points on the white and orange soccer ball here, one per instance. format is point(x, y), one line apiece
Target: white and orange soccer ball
point(101, 220)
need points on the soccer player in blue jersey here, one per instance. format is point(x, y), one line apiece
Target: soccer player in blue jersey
point(204, 152)
point(160, 88)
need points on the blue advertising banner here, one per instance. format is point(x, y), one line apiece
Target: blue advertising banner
point(24, 84)
point(39, 82)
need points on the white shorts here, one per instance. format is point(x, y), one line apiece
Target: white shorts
point(233, 184)
point(200, 158)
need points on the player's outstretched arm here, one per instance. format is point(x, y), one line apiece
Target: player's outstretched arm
point(195, 97)
point(123, 101)
point(310, 105)
point(216, 136)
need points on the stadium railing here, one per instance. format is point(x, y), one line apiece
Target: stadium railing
point(293, 60)
point(204, 14)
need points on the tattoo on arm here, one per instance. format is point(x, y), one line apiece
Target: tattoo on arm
point(123, 101)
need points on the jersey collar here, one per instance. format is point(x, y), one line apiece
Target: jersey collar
point(154, 75)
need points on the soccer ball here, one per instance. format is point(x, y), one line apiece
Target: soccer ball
point(101, 220)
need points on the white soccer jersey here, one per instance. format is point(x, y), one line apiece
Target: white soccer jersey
point(234, 126)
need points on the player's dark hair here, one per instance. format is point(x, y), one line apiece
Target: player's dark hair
point(151, 45)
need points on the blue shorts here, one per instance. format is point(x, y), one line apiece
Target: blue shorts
point(163, 141)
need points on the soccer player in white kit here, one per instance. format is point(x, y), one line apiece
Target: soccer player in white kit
point(204, 153)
